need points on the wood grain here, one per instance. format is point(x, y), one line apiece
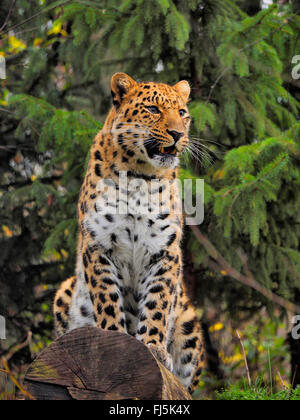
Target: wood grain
point(93, 364)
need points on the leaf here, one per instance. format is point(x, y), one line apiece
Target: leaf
point(7, 232)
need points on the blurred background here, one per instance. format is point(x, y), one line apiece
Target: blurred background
point(242, 265)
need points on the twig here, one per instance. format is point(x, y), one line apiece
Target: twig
point(218, 263)
point(15, 381)
point(245, 358)
point(8, 15)
point(18, 347)
point(47, 9)
point(7, 371)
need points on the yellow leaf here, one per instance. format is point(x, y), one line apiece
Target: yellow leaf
point(37, 42)
point(219, 174)
point(16, 44)
point(56, 29)
point(223, 272)
point(33, 178)
point(216, 327)
point(3, 103)
point(230, 359)
point(56, 256)
point(7, 231)
point(2, 54)
point(64, 253)
point(260, 348)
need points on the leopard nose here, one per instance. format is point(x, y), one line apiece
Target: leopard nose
point(175, 134)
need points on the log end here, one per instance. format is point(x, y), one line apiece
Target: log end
point(92, 364)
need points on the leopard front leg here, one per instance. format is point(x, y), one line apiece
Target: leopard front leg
point(157, 295)
point(61, 306)
point(105, 285)
point(187, 347)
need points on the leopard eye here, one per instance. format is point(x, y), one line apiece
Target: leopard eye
point(153, 109)
point(182, 112)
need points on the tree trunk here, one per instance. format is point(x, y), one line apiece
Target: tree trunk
point(93, 364)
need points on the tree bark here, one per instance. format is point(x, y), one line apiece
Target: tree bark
point(93, 364)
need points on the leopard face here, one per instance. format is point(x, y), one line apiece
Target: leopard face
point(151, 120)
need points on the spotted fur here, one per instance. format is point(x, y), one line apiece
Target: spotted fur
point(129, 266)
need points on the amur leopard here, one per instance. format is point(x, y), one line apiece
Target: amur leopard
point(129, 261)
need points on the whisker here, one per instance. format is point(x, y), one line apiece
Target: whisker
point(200, 156)
point(202, 147)
point(192, 138)
point(195, 155)
point(205, 149)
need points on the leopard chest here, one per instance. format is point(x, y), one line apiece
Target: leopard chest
point(130, 239)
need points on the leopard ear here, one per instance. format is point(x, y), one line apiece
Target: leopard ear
point(121, 84)
point(183, 89)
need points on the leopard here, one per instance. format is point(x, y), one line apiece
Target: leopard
point(129, 267)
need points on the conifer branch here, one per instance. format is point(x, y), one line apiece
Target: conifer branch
point(218, 263)
point(252, 44)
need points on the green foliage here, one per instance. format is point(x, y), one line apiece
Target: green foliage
point(245, 110)
point(69, 136)
point(257, 393)
point(254, 181)
point(204, 114)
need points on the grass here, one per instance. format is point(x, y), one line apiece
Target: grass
point(257, 392)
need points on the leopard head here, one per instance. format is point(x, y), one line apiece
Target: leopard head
point(151, 120)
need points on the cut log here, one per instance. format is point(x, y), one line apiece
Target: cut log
point(93, 364)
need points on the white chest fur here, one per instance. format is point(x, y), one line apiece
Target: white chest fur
point(131, 234)
point(128, 236)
